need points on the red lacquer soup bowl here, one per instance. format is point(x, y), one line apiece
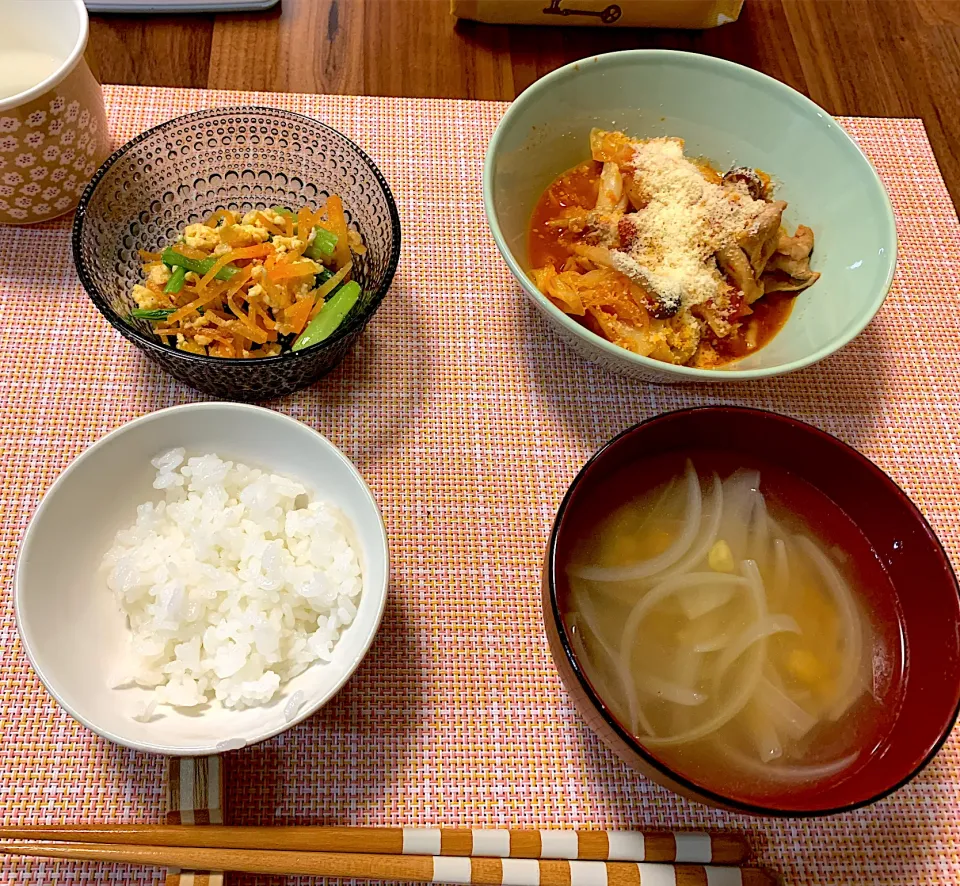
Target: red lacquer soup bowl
point(918, 592)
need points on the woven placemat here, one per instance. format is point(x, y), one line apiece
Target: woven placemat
point(469, 420)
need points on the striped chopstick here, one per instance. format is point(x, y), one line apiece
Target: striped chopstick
point(638, 846)
point(410, 868)
point(194, 797)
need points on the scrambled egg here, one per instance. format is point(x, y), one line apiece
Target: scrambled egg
point(251, 218)
point(282, 244)
point(249, 235)
point(201, 237)
point(159, 275)
point(212, 329)
point(146, 299)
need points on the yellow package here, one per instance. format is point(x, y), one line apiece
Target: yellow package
point(623, 13)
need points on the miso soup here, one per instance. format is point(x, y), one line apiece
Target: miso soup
point(737, 623)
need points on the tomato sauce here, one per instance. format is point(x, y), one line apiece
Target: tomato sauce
point(769, 315)
point(578, 188)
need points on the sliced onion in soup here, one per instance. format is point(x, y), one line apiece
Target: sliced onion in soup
point(789, 716)
point(786, 772)
point(653, 565)
point(711, 513)
point(849, 621)
point(637, 717)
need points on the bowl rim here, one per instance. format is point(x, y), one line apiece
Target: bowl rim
point(64, 68)
point(287, 357)
point(309, 707)
point(601, 708)
point(555, 79)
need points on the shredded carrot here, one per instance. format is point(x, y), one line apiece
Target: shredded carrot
point(234, 254)
point(293, 269)
point(234, 318)
point(331, 284)
point(231, 235)
point(273, 291)
point(250, 328)
point(269, 225)
point(187, 310)
point(261, 250)
point(267, 321)
point(297, 315)
point(305, 222)
point(225, 214)
point(238, 281)
point(190, 252)
point(259, 319)
point(356, 243)
point(220, 263)
point(328, 287)
point(241, 343)
point(257, 315)
point(338, 221)
point(223, 349)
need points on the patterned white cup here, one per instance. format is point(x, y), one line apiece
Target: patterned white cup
point(53, 136)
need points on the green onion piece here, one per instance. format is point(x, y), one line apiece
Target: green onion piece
point(330, 317)
point(175, 284)
point(173, 259)
point(322, 276)
point(151, 313)
point(323, 245)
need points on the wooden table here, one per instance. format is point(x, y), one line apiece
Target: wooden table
point(861, 57)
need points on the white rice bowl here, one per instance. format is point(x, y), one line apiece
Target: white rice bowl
point(78, 639)
point(232, 584)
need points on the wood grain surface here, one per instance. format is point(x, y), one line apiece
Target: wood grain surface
point(859, 57)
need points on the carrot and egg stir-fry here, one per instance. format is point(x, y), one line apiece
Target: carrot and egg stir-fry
point(252, 286)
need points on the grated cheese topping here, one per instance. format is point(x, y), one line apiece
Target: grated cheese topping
point(685, 220)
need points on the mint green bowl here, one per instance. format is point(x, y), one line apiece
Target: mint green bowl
point(733, 116)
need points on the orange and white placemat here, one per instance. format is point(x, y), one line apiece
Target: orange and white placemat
point(468, 419)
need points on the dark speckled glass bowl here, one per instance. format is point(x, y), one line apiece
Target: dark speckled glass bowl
point(230, 158)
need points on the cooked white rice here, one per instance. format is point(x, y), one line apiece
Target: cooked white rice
point(232, 585)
